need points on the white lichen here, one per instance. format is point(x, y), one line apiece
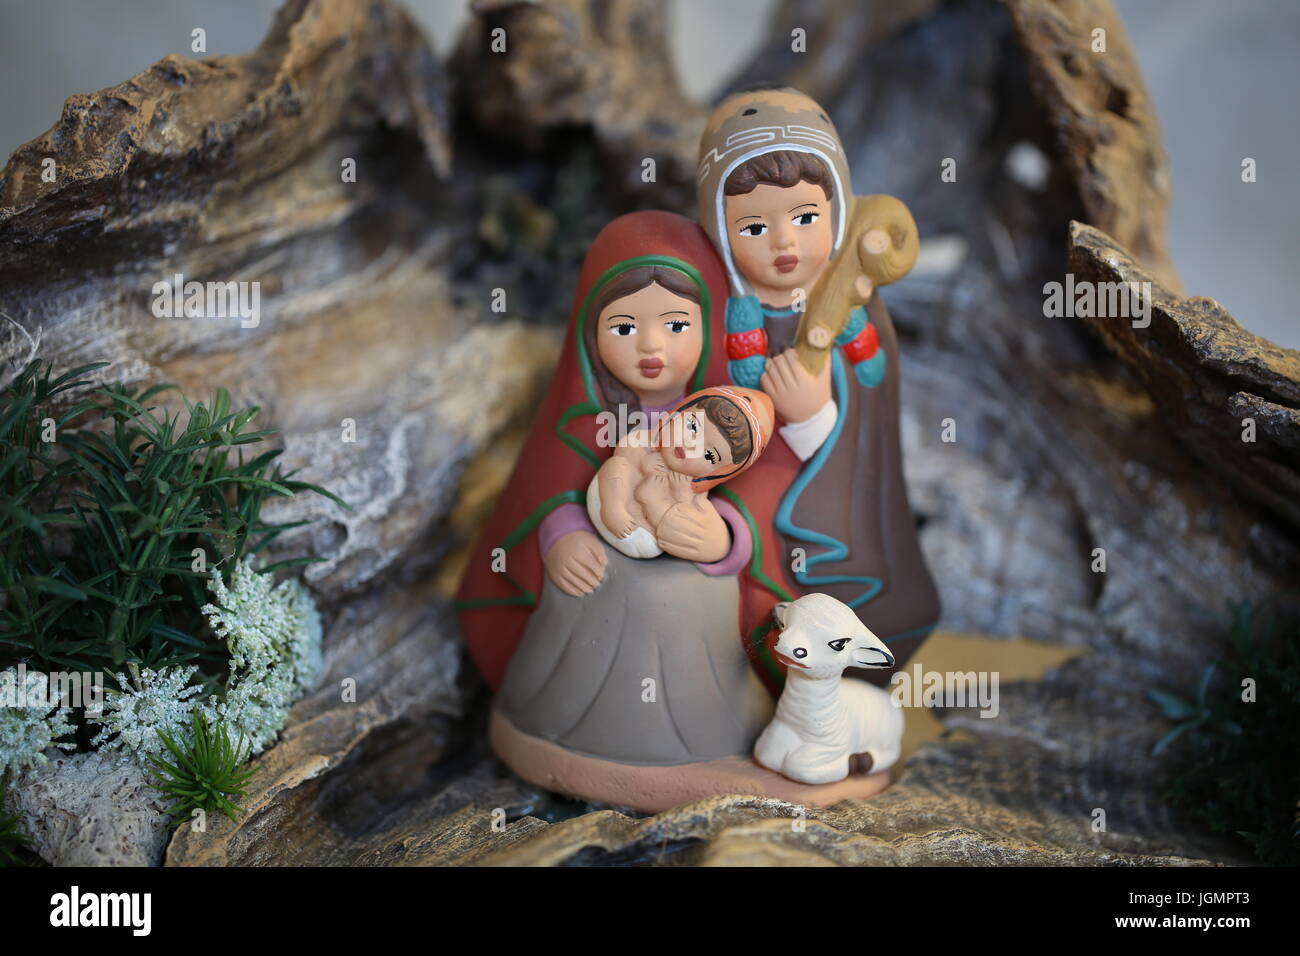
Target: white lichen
point(273, 634)
point(29, 725)
point(156, 700)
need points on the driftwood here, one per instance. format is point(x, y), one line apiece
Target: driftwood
point(492, 172)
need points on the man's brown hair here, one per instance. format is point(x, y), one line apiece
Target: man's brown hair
point(782, 167)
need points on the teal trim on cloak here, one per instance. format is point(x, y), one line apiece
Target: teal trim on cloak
point(836, 550)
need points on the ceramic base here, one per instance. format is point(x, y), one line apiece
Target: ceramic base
point(655, 789)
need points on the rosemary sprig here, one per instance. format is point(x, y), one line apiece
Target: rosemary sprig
point(107, 505)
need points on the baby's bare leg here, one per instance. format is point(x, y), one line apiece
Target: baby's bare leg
point(617, 480)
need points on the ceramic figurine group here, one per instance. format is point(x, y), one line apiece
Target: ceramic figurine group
point(638, 600)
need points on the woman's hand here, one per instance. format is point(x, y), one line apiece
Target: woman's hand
point(694, 532)
point(576, 563)
point(797, 394)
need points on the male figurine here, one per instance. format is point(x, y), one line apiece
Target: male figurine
point(807, 326)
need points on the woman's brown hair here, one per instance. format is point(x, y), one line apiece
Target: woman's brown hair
point(633, 280)
point(782, 167)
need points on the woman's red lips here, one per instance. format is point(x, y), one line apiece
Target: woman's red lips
point(679, 452)
point(651, 368)
point(785, 263)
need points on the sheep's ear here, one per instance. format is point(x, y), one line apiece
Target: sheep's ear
point(778, 613)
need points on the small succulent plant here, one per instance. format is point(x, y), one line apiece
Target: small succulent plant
point(203, 772)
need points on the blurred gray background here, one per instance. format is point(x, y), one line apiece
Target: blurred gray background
point(1223, 76)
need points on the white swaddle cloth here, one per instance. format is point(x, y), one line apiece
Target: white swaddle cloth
point(639, 544)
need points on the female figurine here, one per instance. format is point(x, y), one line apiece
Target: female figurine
point(829, 502)
point(598, 655)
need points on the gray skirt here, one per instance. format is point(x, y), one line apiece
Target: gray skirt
point(647, 669)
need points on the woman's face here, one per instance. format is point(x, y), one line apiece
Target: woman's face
point(651, 341)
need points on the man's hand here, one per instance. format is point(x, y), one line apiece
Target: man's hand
point(796, 393)
point(694, 532)
point(576, 563)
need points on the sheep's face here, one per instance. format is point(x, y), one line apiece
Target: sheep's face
point(822, 637)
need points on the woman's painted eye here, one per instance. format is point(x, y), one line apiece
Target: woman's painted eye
point(837, 645)
point(678, 325)
point(690, 423)
point(805, 219)
point(753, 229)
point(710, 457)
point(623, 328)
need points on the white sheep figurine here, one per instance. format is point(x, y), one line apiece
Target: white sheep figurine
point(821, 720)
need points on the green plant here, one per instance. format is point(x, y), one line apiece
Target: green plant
point(11, 839)
point(32, 580)
point(119, 522)
point(205, 774)
point(1238, 761)
point(111, 512)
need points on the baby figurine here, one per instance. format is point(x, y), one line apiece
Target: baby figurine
point(709, 437)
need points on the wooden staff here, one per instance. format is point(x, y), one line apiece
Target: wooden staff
point(883, 232)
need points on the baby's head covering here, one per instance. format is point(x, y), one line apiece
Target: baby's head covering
point(759, 415)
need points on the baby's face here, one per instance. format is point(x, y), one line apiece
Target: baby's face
point(780, 237)
point(693, 445)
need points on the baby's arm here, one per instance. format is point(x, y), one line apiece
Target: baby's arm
point(617, 480)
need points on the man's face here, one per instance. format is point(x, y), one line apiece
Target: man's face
point(780, 237)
